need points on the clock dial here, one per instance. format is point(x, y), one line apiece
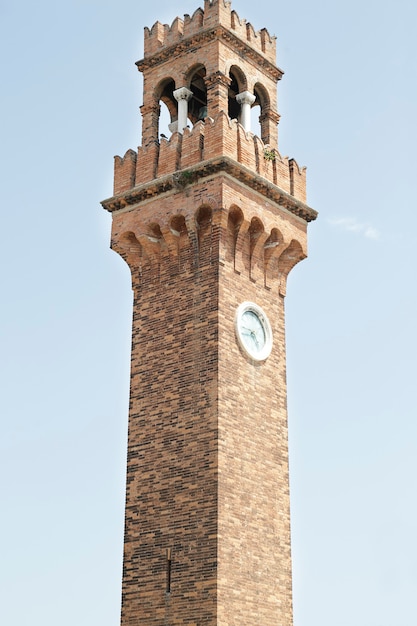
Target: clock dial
point(253, 331)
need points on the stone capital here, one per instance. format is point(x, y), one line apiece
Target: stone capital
point(246, 97)
point(183, 94)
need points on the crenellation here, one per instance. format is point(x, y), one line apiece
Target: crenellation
point(297, 180)
point(220, 137)
point(154, 38)
point(281, 172)
point(260, 162)
point(246, 148)
point(208, 140)
point(250, 32)
point(260, 40)
point(263, 166)
point(124, 172)
point(146, 165)
point(177, 29)
point(216, 13)
point(266, 40)
point(174, 33)
point(193, 24)
point(193, 145)
point(169, 155)
point(235, 22)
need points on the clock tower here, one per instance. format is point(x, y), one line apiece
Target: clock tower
point(210, 220)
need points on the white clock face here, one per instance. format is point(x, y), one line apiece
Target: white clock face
point(253, 331)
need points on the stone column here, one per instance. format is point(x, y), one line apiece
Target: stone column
point(245, 99)
point(182, 96)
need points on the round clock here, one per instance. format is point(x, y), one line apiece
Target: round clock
point(253, 331)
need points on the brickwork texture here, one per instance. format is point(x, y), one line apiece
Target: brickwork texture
point(205, 221)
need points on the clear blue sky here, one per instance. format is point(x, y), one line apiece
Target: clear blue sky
point(70, 101)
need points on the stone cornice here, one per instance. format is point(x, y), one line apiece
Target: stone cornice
point(183, 178)
point(220, 32)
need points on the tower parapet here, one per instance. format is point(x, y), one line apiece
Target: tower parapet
point(199, 146)
point(210, 70)
point(216, 14)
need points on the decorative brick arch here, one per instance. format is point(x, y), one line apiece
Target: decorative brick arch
point(128, 246)
point(234, 221)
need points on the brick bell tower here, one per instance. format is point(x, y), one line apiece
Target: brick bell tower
point(210, 221)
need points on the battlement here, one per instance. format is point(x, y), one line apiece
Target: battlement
point(216, 13)
point(206, 141)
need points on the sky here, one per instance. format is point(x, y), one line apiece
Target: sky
point(70, 102)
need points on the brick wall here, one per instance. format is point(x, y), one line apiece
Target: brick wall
point(208, 140)
point(207, 453)
point(206, 220)
point(216, 12)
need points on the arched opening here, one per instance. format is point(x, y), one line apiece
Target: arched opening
point(197, 106)
point(164, 121)
point(262, 103)
point(237, 85)
point(255, 119)
point(168, 107)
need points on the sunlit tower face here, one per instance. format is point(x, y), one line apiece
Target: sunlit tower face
point(210, 220)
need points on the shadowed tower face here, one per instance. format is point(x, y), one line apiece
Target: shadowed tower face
point(210, 220)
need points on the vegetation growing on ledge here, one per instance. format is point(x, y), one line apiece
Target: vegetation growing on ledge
point(269, 155)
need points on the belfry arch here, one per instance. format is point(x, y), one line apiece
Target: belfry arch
point(197, 106)
point(261, 105)
point(238, 84)
point(168, 108)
